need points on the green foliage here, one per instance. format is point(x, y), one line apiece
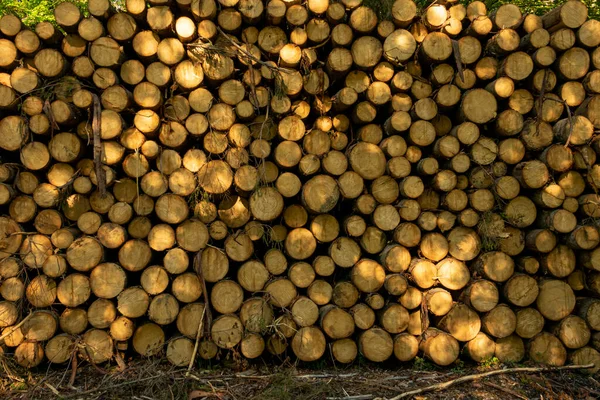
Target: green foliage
point(458, 366)
point(422, 364)
point(383, 8)
point(283, 386)
point(540, 7)
point(32, 12)
point(18, 386)
point(490, 363)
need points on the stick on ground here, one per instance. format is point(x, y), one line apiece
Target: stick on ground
point(474, 377)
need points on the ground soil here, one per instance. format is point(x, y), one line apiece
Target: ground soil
point(234, 379)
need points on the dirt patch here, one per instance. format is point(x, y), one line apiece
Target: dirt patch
point(154, 380)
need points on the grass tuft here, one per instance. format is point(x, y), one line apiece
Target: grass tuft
point(383, 8)
point(32, 12)
point(283, 386)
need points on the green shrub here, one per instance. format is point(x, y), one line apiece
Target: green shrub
point(540, 7)
point(33, 11)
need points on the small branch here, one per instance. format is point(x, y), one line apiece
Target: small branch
point(323, 43)
point(74, 362)
point(542, 93)
point(569, 113)
point(203, 328)
point(396, 377)
point(570, 116)
point(424, 315)
point(358, 397)
point(242, 376)
point(474, 377)
point(457, 59)
point(207, 313)
point(321, 376)
point(14, 328)
point(104, 389)
point(505, 390)
point(250, 56)
point(91, 360)
point(7, 371)
point(100, 175)
point(119, 359)
point(71, 179)
point(48, 111)
point(52, 389)
point(252, 85)
point(248, 376)
point(198, 268)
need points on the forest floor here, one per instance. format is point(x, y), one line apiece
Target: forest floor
point(155, 380)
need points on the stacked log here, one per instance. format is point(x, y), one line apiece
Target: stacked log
point(277, 177)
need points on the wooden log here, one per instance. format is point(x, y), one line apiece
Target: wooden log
point(461, 322)
point(561, 309)
point(556, 357)
point(521, 290)
point(216, 152)
point(573, 332)
point(482, 295)
point(440, 347)
point(29, 354)
point(60, 348)
point(480, 348)
point(308, 344)
point(73, 321)
point(376, 345)
point(500, 322)
point(148, 339)
point(570, 15)
point(587, 309)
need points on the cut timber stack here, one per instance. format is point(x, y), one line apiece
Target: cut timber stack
point(284, 177)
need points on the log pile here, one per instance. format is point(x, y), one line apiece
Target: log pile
point(285, 177)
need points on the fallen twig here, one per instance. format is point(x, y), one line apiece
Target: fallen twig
point(396, 377)
point(320, 376)
point(246, 376)
point(52, 388)
point(202, 394)
point(505, 390)
point(7, 372)
point(104, 389)
point(253, 376)
point(474, 377)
